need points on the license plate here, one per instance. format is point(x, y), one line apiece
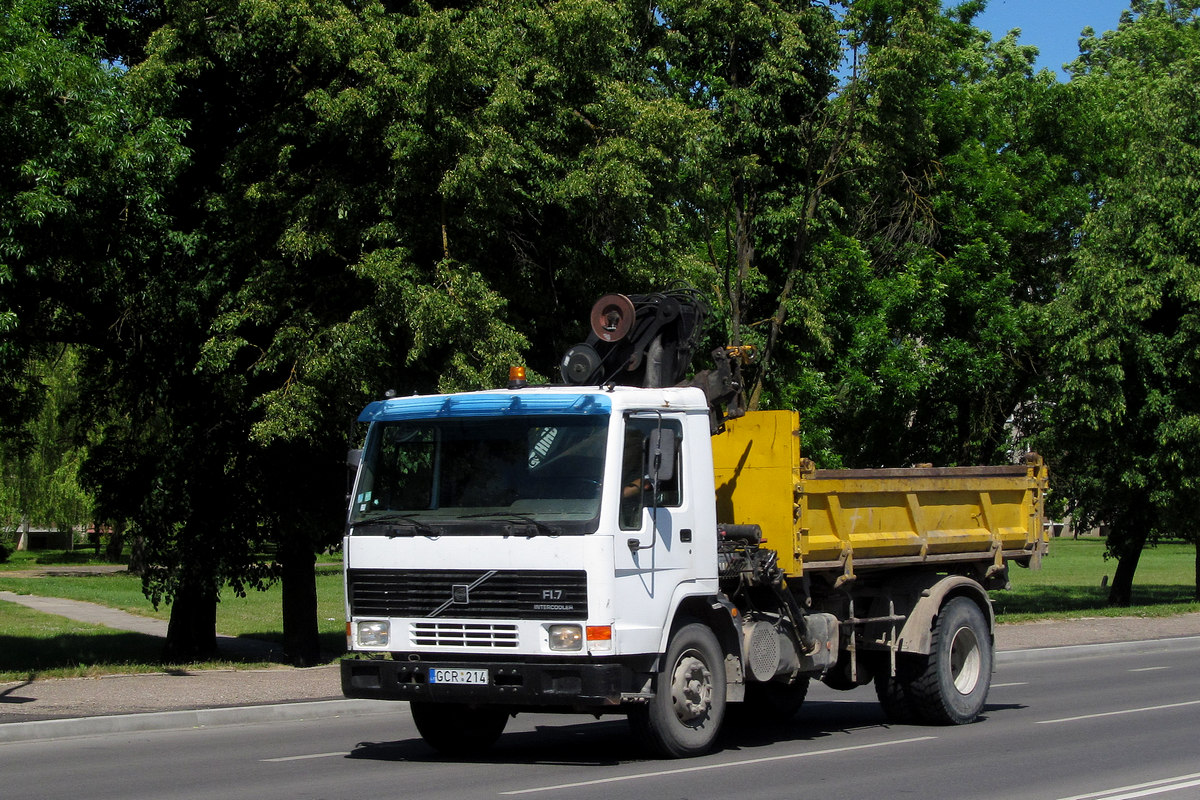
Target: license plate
point(472, 677)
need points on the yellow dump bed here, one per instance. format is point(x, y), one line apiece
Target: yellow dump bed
point(852, 519)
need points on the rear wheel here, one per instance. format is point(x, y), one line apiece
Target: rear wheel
point(953, 687)
point(685, 714)
point(895, 691)
point(455, 729)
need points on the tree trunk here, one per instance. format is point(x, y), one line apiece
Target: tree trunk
point(192, 631)
point(137, 555)
point(743, 259)
point(301, 642)
point(1120, 592)
point(116, 542)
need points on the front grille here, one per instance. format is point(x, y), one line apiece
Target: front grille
point(468, 594)
point(463, 634)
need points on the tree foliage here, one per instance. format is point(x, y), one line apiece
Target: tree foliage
point(368, 197)
point(963, 214)
point(248, 218)
point(763, 73)
point(884, 234)
point(78, 184)
point(1126, 417)
point(39, 471)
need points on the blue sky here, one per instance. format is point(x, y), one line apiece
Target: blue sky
point(1052, 25)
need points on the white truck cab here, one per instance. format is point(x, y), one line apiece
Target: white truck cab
point(528, 547)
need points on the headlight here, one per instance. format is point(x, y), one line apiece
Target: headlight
point(373, 633)
point(566, 637)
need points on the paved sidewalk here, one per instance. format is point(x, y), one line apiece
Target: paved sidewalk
point(189, 698)
point(1085, 630)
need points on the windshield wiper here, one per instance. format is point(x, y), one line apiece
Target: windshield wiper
point(405, 525)
point(541, 528)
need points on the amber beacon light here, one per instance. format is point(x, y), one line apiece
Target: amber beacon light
point(516, 378)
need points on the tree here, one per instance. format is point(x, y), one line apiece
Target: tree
point(968, 193)
point(55, 116)
point(40, 471)
point(368, 194)
point(883, 230)
point(763, 73)
point(78, 190)
point(1125, 418)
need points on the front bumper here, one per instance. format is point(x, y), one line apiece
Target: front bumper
point(535, 683)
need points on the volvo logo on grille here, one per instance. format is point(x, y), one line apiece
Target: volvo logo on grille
point(460, 593)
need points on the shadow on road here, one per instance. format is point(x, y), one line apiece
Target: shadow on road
point(608, 742)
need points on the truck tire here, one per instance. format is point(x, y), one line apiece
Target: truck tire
point(684, 717)
point(774, 703)
point(895, 691)
point(953, 687)
point(459, 730)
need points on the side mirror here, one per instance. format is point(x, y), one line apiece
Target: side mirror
point(662, 447)
point(353, 461)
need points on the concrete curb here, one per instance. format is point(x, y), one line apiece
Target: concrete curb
point(325, 709)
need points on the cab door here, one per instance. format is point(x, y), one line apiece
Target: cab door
point(654, 551)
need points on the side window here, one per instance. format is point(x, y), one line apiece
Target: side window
point(637, 489)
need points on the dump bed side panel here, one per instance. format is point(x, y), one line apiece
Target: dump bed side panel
point(856, 519)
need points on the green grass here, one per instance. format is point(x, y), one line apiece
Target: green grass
point(34, 559)
point(36, 644)
point(28, 647)
point(121, 591)
point(1069, 583)
point(43, 645)
point(256, 615)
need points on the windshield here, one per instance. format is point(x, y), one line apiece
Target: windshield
point(531, 475)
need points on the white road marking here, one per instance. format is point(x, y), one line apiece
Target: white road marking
point(1148, 669)
point(1006, 685)
point(723, 765)
point(1118, 713)
point(1142, 789)
point(304, 758)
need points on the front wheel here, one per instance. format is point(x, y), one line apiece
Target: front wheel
point(685, 714)
point(953, 687)
point(454, 729)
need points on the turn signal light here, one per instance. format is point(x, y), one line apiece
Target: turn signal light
point(599, 637)
point(599, 633)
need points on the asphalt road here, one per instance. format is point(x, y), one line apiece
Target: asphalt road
point(1110, 725)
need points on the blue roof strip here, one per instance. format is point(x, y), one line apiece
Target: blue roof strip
point(491, 404)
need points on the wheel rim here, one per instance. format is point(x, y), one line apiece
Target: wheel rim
point(965, 660)
point(691, 689)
